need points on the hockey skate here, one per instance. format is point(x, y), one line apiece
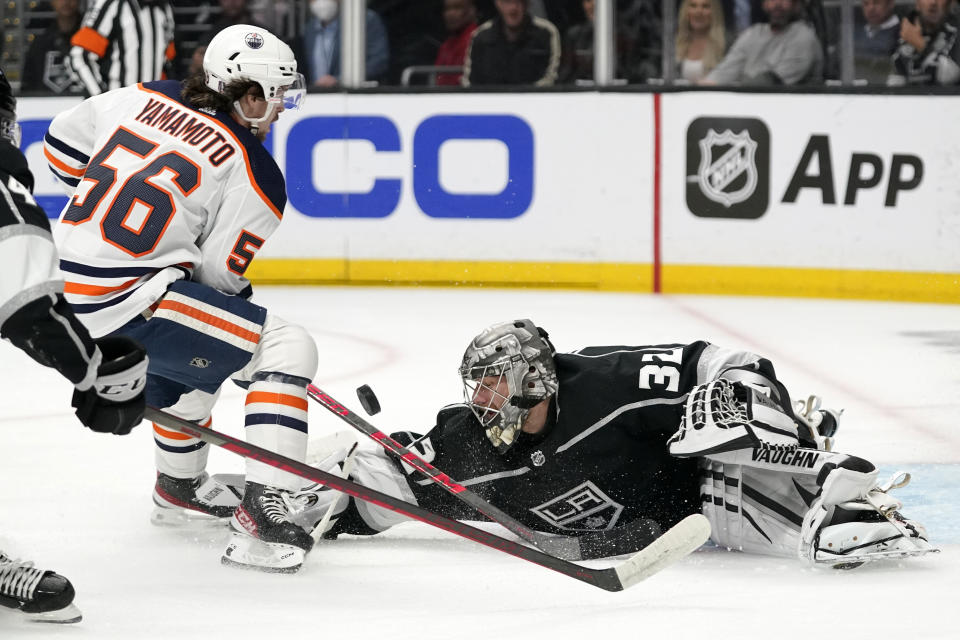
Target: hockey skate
point(265, 537)
point(822, 424)
point(195, 502)
point(869, 530)
point(40, 596)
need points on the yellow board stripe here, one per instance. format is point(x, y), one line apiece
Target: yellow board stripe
point(815, 283)
point(704, 279)
point(612, 277)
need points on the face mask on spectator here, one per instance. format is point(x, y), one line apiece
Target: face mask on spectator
point(325, 10)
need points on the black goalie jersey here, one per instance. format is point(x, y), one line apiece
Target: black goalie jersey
point(602, 459)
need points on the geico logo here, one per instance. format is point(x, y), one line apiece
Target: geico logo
point(866, 172)
point(383, 198)
point(429, 192)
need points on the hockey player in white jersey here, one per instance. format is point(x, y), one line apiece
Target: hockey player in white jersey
point(586, 443)
point(173, 193)
point(108, 375)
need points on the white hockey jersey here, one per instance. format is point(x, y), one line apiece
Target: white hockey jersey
point(160, 191)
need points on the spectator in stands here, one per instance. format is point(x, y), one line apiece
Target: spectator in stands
point(701, 38)
point(45, 67)
point(318, 53)
point(460, 19)
point(643, 22)
point(874, 41)
point(415, 30)
point(783, 51)
point(231, 12)
point(739, 15)
point(513, 48)
point(928, 52)
point(276, 16)
point(577, 54)
point(121, 43)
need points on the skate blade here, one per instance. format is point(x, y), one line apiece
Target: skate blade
point(176, 517)
point(68, 615)
point(246, 552)
point(852, 562)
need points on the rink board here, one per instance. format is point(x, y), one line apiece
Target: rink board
point(760, 194)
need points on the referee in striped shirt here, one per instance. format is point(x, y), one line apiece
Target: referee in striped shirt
point(122, 42)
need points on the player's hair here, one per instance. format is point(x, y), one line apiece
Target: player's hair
point(196, 92)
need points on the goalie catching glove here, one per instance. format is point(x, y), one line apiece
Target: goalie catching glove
point(722, 416)
point(114, 403)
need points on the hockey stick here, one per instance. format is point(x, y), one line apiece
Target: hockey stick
point(673, 545)
point(626, 539)
point(321, 527)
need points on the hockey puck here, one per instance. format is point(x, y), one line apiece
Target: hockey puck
point(368, 400)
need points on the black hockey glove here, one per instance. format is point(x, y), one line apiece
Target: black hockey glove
point(115, 402)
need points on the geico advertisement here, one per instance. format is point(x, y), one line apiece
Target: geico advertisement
point(811, 181)
point(483, 177)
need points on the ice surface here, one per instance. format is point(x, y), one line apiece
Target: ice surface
point(79, 502)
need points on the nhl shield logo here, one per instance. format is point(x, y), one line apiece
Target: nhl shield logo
point(724, 157)
point(537, 458)
point(728, 167)
point(253, 40)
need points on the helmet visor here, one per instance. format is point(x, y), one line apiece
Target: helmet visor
point(292, 95)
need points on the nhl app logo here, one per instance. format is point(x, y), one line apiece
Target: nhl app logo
point(253, 40)
point(728, 167)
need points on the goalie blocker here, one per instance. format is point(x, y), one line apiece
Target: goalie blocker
point(764, 493)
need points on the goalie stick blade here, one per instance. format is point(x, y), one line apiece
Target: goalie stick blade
point(682, 539)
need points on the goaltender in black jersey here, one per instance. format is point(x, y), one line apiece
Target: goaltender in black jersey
point(108, 375)
point(591, 441)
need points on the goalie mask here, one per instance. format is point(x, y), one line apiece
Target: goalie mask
point(506, 371)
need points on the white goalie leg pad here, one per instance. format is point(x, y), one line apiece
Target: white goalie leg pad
point(737, 521)
point(722, 416)
point(372, 468)
point(756, 500)
point(311, 503)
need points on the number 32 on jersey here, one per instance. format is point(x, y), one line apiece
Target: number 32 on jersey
point(663, 374)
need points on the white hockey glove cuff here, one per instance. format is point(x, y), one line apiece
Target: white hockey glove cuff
point(722, 416)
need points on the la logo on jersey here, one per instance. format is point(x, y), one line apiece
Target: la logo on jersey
point(253, 40)
point(583, 508)
point(728, 167)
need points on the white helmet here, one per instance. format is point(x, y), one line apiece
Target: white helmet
point(246, 52)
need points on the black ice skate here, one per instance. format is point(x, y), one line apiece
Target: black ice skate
point(41, 596)
point(199, 501)
point(265, 537)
